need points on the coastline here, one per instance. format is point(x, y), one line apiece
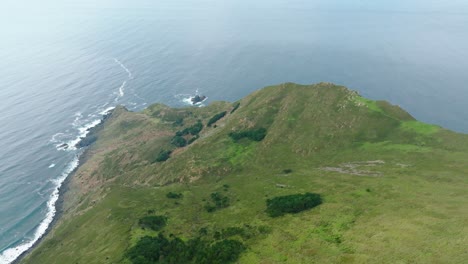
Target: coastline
point(84, 144)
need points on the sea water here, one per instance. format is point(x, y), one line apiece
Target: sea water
point(64, 64)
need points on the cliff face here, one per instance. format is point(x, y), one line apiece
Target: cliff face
point(393, 189)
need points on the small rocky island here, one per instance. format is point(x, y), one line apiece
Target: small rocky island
point(197, 99)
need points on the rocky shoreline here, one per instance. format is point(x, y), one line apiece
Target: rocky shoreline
point(84, 155)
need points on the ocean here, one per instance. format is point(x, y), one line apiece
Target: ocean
point(63, 65)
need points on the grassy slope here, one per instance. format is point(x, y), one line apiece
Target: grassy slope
point(394, 189)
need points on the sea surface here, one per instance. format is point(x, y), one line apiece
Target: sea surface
point(64, 64)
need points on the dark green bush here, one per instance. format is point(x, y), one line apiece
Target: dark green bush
point(291, 204)
point(154, 222)
point(193, 130)
point(218, 201)
point(163, 250)
point(179, 141)
point(163, 155)
point(190, 141)
point(179, 121)
point(254, 134)
point(215, 118)
point(236, 105)
point(172, 195)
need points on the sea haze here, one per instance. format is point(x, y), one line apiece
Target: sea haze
point(63, 65)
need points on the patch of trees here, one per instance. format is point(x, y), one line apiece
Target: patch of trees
point(193, 130)
point(291, 204)
point(236, 105)
point(218, 201)
point(215, 118)
point(153, 222)
point(179, 121)
point(190, 141)
point(179, 140)
point(163, 155)
point(172, 195)
point(253, 134)
point(161, 249)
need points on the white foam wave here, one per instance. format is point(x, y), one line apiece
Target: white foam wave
point(70, 144)
point(121, 89)
point(130, 75)
point(107, 110)
point(10, 254)
point(83, 131)
point(76, 121)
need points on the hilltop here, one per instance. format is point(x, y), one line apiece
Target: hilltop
point(289, 174)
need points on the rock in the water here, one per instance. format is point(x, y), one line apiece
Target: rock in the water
point(198, 99)
point(63, 146)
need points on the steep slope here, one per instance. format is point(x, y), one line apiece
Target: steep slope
point(393, 189)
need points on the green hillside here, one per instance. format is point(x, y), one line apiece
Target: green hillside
point(289, 174)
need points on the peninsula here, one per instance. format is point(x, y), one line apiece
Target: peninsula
point(289, 174)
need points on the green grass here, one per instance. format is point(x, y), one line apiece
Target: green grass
point(411, 209)
point(420, 127)
point(372, 105)
point(388, 146)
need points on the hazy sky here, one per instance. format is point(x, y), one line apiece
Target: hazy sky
point(393, 5)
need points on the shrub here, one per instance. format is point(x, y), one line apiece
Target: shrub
point(190, 141)
point(154, 222)
point(179, 121)
point(195, 129)
point(160, 249)
point(163, 155)
point(179, 141)
point(254, 134)
point(215, 118)
point(236, 105)
point(219, 201)
point(172, 195)
point(291, 204)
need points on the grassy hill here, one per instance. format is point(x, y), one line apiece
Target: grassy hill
point(392, 189)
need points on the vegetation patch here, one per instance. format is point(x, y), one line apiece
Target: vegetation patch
point(193, 130)
point(253, 134)
point(218, 201)
point(163, 155)
point(190, 141)
point(172, 195)
point(179, 121)
point(419, 127)
point(179, 141)
point(387, 145)
point(292, 204)
point(161, 249)
point(153, 222)
point(372, 105)
point(236, 106)
point(239, 153)
point(215, 118)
